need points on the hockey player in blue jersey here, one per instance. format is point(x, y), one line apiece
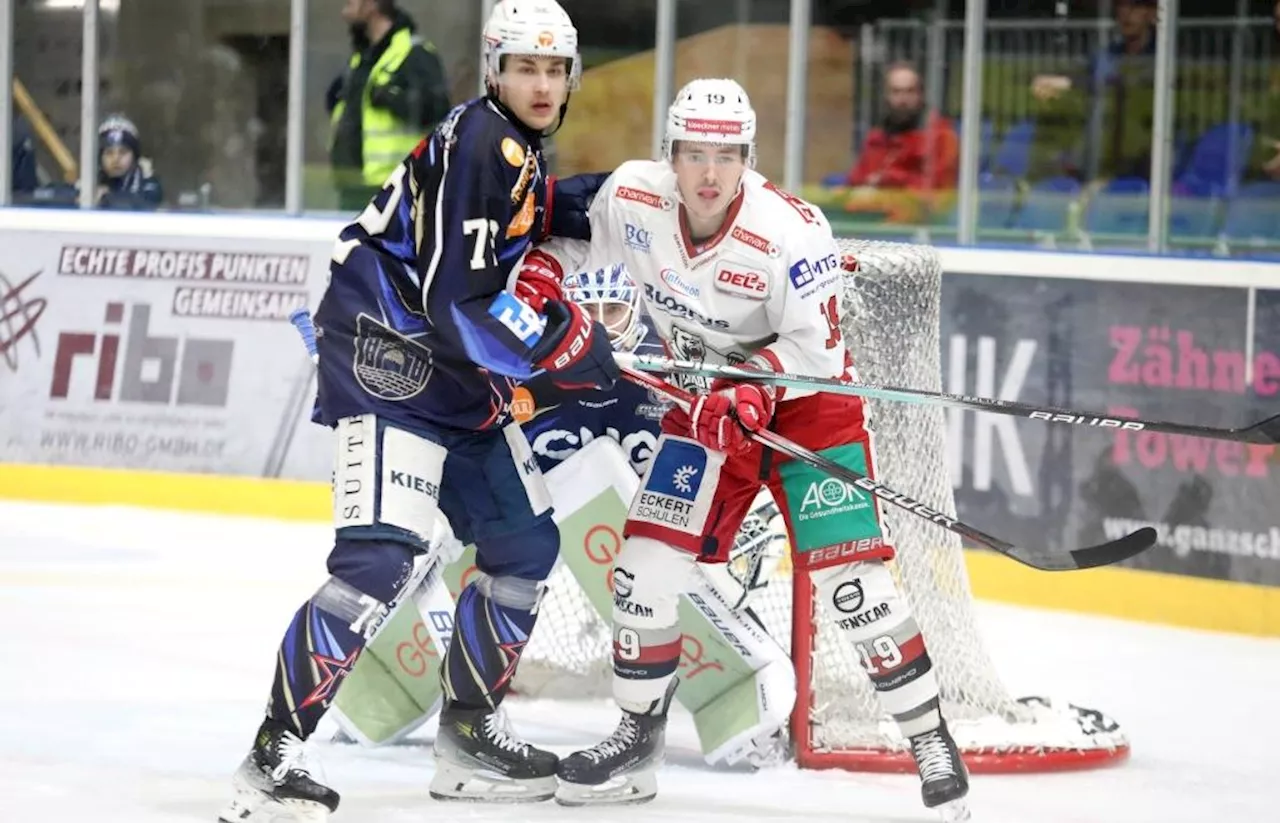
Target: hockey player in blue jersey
point(429, 322)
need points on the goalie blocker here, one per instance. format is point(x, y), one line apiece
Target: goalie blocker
point(737, 682)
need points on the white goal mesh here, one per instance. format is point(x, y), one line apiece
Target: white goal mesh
point(892, 311)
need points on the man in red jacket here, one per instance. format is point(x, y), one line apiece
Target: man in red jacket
point(910, 153)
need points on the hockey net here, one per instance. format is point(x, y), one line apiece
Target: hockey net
point(892, 310)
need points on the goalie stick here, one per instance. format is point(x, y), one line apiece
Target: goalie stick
point(1103, 554)
point(1267, 432)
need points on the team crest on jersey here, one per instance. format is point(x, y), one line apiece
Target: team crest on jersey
point(513, 152)
point(388, 364)
point(756, 242)
point(742, 281)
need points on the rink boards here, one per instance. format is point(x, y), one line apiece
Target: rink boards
point(160, 349)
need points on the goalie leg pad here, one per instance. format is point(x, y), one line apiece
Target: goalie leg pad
point(648, 577)
point(869, 611)
point(328, 632)
point(739, 721)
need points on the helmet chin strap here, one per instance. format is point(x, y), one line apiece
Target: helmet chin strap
point(564, 109)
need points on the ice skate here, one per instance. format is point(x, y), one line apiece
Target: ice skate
point(622, 768)
point(944, 781)
point(274, 785)
point(479, 759)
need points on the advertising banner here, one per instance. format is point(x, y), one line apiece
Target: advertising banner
point(160, 352)
point(164, 343)
point(1169, 352)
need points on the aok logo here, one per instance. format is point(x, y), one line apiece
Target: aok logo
point(190, 371)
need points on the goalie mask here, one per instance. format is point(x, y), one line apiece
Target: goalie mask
point(610, 296)
point(538, 28)
point(712, 111)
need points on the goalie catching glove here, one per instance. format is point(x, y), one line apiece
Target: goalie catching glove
point(722, 418)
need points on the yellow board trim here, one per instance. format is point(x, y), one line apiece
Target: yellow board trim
point(1133, 594)
point(207, 493)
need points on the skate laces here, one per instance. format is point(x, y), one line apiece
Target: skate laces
point(933, 756)
point(498, 730)
point(293, 757)
point(622, 739)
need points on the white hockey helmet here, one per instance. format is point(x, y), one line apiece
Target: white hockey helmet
point(712, 110)
point(610, 286)
point(530, 27)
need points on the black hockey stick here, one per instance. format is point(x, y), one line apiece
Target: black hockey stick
point(1103, 554)
point(1267, 432)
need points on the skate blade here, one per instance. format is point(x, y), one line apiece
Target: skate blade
point(251, 805)
point(956, 811)
point(620, 791)
point(460, 783)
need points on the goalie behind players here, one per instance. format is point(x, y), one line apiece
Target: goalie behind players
point(739, 702)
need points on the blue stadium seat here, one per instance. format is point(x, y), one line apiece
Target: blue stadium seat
point(1013, 158)
point(1215, 165)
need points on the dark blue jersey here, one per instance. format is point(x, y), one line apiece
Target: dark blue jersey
point(416, 322)
point(565, 421)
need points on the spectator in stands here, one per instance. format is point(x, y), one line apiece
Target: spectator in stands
point(909, 156)
point(392, 92)
point(125, 178)
point(1117, 85)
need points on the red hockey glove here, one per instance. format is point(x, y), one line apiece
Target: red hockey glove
point(574, 350)
point(539, 279)
point(722, 418)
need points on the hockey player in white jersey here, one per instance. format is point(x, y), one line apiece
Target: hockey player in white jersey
point(734, 270)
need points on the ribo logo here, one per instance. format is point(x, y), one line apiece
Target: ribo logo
point(190, 371)
point(830, 496)
point(748, 283)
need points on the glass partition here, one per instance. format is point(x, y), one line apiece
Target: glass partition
point(203, 84)
point(340, 166)
point(610, 118)
point(1068, 112)
point(1225, 167)
point(883, 146)
point(46, 104)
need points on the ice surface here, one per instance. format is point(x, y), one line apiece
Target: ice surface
point(138, 650)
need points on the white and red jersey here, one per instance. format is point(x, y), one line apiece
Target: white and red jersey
point(767, 285)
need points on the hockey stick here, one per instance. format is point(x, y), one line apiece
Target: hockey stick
point(1267, 432)
point(1103, 554)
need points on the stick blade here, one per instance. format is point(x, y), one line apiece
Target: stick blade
point(1268, 431)
point(1090, 557)
point(1116, 551)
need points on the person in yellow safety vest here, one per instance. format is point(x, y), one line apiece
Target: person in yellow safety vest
point(391, 94)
